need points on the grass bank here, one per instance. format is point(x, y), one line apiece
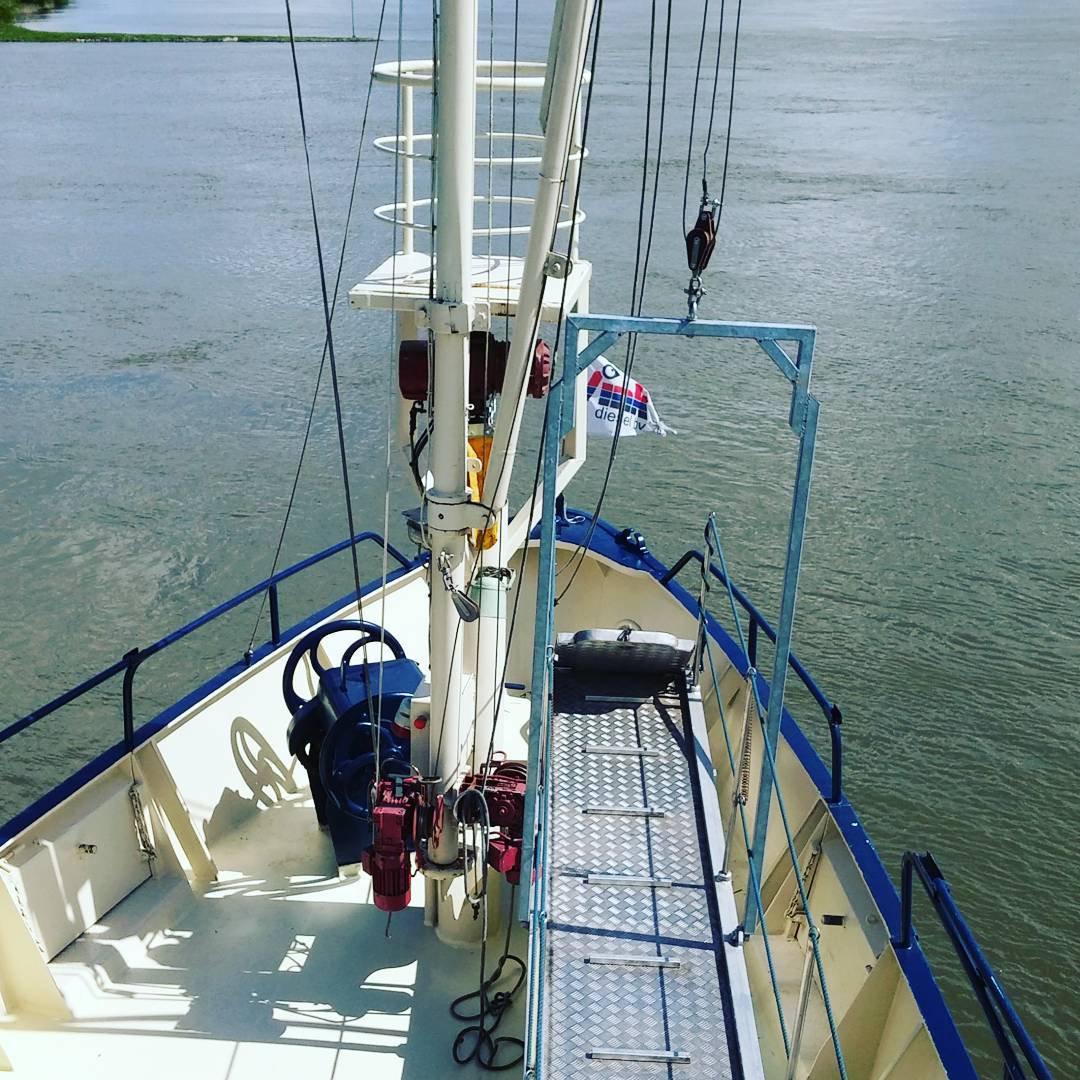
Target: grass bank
point(15, 32)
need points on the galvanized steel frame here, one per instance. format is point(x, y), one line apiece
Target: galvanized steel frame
point(802, 419)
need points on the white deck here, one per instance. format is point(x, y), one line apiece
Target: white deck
point(402, 283)
point(278, 969)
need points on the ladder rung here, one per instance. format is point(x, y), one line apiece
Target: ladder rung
point(628, 751)
point(618, 1053)
point(610, 960)
point(619, 700)
point(625, 811)
point(627, 879)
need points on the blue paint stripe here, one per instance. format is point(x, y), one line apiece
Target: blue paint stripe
point(633, 935)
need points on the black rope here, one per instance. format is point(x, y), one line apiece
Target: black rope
point(326, 339)
point(731, 109)
point(712, 107)
point(327, 318)
point(693, 112)
point(637, 300)
point(476, 1041)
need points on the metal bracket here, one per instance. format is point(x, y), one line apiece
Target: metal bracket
point(454, 514)
point(445, 316)
point(557, 265)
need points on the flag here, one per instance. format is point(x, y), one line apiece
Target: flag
point(605, 395)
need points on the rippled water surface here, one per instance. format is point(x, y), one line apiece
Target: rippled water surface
point(904, 177)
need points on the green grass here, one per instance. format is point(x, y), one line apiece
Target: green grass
point(15, 32)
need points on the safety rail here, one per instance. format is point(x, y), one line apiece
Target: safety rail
point(412, 146)
point(998, 1009)
point(130, 662)
point(739, 798)
point(758, 622)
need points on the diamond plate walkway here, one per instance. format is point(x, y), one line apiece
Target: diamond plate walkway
point(639, 981)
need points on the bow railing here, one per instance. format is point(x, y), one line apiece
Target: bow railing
point(128, 665)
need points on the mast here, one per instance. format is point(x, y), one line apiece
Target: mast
point(449, 318)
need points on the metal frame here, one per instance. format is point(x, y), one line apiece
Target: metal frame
point(802, 419)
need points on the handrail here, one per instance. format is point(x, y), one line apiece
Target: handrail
point(830, 709)
point(131, 660)
point(991, 994)
point(814, 960)
point(756, 620)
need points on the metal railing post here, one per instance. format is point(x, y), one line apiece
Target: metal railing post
point(751, 647)
point(837, 740)
point(275, 615)
point(407, 197)
point(128, 698)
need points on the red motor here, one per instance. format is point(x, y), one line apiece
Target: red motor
point(397, 800)
point(487, 369)
point(505, 796)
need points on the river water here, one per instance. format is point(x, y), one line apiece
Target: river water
point(903, 177)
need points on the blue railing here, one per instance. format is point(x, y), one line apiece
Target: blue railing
point(130, 662)
point(998, 1009)
point(758, 622)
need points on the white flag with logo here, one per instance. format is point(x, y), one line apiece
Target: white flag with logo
point(607, 388)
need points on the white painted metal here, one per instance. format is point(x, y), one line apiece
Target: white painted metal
point(498, 75)
point(564, 78)
point(456, 129)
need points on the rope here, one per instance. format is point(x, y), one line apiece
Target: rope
point(731, 111)
point(770, 756)
point(595, 33)
point(326, 313)
point(328, 320)
point(693, 112)
point(755, 885)
point(641, 269)
point(326, 339)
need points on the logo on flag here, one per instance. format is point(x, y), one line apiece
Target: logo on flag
point(609, 390)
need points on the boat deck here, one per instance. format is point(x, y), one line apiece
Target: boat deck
point(278, 969)
point(639, 980)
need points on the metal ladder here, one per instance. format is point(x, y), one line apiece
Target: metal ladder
point(636, 967)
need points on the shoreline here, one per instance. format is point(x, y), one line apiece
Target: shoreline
point(10, 32)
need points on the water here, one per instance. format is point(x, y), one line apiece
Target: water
point(906, 179)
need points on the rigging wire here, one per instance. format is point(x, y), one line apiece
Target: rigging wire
point(390, 369)
point(326, 317)
point(579, 553)
point(693, 111)
point(731, 109)
point(594, 31)
point(598, 15)
point(641, 264)
point(326, 339)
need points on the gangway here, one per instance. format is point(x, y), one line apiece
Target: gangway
point(636, 965)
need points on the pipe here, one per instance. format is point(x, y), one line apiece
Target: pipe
point(564, 80)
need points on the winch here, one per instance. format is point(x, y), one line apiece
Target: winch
point(379, 818)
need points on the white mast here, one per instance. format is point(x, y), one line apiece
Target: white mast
point(565, 67)
point(450, 319)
